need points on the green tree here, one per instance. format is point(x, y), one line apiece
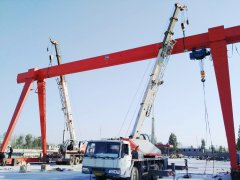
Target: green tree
point(13, 141)
point(36, 143)
point(20, 141)
point(212, 148)
point(220, 150)
point(238, 139)
point(224, 149)
point(173, 141)
point(28, 140)
point(203, 144)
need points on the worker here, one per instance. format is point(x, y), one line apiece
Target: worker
point(61, 149)
point(70, 146)
point(10, 152)
point(135, 153)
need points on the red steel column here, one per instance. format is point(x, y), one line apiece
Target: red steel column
point(16, 114)
point(220, 61)
point(42, 112)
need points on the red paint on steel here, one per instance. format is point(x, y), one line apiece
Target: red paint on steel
point(132, 55)
point(220, 61)
point(152, 155)
point(18, 110)
point(132, 144)
point(13, 161)
point(164, 145)
point(42, 110)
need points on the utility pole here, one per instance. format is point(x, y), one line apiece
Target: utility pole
point(153, 139)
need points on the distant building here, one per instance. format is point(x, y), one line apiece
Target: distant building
point(198, 152)
point(53, 147)
point(191, 151)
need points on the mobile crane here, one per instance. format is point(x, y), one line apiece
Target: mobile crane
point(113, 158)
point(71, 151)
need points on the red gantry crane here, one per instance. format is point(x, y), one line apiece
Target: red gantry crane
point(217, 39)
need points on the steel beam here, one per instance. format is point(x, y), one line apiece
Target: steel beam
point(42, 113)
point(16, 114)
point(218, 47)
point(232, 35)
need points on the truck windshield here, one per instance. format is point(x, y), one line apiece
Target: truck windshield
point(103, 149)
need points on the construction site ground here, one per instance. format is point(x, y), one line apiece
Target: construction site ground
point(213, 170)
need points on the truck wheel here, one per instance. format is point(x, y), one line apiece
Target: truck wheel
point(100, 178)
point(58, 163)
point(81, 159)
point(158, 168)
point(71, 161)
point(77, 161)
point(134, 174)
point(155, 177)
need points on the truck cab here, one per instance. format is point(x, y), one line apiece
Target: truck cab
point(122, 158)
point(108, 158)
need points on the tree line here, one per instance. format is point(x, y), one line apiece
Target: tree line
point(221, 149)
point(173, 141)
point(26, 142)
point(29, 141)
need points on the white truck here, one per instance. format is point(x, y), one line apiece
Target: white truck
point(117, 159)
point(136, 156)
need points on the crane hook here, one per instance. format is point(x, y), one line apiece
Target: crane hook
point(202, 72)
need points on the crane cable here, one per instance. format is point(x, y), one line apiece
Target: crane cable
point(184, 22)
point(132, 101)
point(208, 130)
point(237, 50)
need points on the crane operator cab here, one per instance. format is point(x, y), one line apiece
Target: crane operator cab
point(69, 145)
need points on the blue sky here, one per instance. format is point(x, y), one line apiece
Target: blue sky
point(101, 98)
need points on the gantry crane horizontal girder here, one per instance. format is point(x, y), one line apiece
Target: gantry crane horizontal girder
point(231, 35)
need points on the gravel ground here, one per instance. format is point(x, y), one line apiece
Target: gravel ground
point(74, 172)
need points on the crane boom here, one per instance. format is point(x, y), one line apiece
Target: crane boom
point(157, 73)
point(65, 100)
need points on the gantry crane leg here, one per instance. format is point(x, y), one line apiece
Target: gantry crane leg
point(218, 47)
point(42, 113)
point(26, 89)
